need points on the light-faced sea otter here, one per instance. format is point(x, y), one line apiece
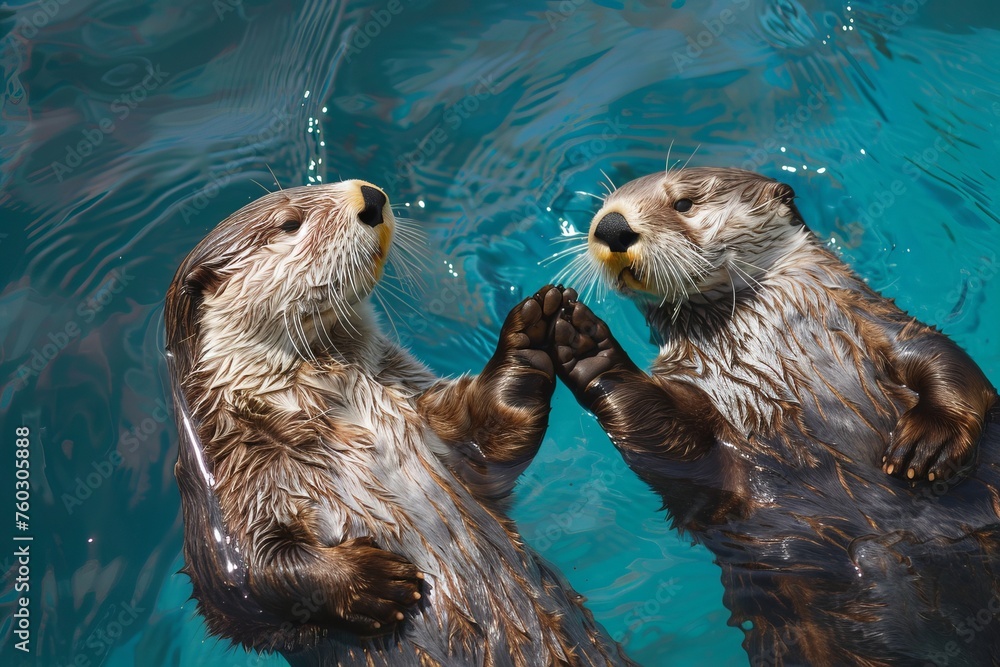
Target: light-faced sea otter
point(342, 504)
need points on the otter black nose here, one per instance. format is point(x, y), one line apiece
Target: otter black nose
point(613, 229)
point(375, 201)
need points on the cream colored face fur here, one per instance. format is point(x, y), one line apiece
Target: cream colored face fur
point(739, 225)
point(305, 264)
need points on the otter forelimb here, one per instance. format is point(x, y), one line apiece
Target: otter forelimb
point(497, 419)
point(642, 415)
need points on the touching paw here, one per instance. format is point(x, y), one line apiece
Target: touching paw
point(930, 444)
point(525, 333)
point(384, 585)
point(583, 347)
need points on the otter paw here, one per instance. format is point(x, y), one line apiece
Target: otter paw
point(929, 444)
point(525, 332)
point(383, 586)
point(583, 347)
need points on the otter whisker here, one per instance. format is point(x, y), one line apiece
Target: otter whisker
point(419, 239)
point(305, 339)
point(576, 262)
point(672, 281)
point(752, 266)
point(274, 177)
point(660, 283)
point(409, 267)
point(569, 238)
point(764, 204)
point(678, 306)
point(589, 194)
point(690, 156)
point(575, 250)
point(261, 186)
point(577, 269)
point(669, 148)
point(342, 306)
point(410, 227)
point(397, 293)
point(733, 284)
point(696, 253)
point(291, 337)
point(609, 179)
point(573, 273)
point(345, 313)
point(388, 315)
point(321, 331)
point(754, 286)
point(593, 281)
point(403, 274)
point(692, 272)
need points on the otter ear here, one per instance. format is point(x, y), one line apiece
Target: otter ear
point(201, 279)
point(784, 195)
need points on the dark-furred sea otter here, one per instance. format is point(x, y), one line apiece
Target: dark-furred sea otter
point(818, 440)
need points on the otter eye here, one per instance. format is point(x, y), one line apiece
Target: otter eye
point(683, 205)
point(291, 225)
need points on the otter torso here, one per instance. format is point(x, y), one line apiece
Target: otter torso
point(808, 432)
point(825, 558)
point(487, 599)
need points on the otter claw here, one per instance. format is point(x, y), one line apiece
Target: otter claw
point(927, 445)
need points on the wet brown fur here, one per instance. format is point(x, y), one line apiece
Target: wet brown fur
point(271, 566)
point(774, 410)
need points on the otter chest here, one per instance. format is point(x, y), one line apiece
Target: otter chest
point(761, 375)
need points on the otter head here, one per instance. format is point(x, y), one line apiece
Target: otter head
point(671, 236)
point(276, 277)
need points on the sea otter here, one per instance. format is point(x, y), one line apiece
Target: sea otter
point(784, 391)
point(341, 503)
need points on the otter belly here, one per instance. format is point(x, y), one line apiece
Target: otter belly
point(846, 564)
point(487, 599)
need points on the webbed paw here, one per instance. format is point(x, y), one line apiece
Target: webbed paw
point(583, 347)
point(382, 586)
point(525, 333)
point(930, 444)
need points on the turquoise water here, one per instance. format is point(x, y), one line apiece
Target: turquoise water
point(130, 129)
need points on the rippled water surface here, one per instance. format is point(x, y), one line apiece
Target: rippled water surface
point(130, 129)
